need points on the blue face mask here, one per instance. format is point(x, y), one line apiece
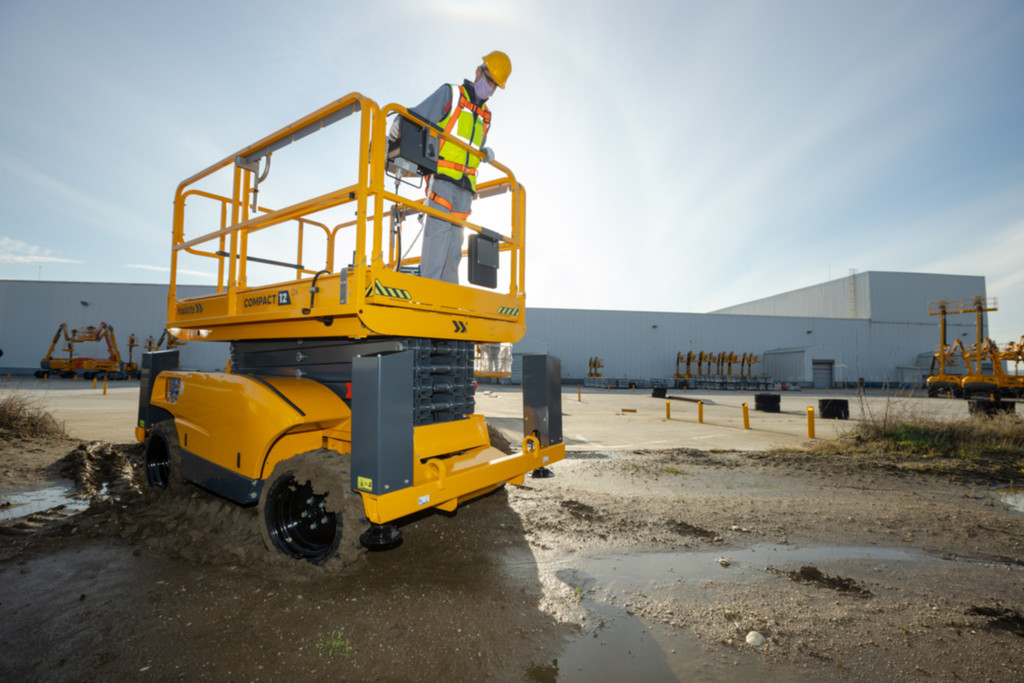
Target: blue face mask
point(483, 88)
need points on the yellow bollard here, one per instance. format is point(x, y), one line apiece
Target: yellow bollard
point(579, 395)
point(76, 377)
point(746, 417)
point(700, 412)
point(810, 422)
point(104, 385)
point(94, 381)
point(668, 410)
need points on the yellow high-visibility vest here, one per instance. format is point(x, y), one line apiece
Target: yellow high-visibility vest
point(469, 123)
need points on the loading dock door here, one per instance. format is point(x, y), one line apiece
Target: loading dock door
point(821, 371)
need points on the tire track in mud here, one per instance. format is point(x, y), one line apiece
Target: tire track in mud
point(184, 522)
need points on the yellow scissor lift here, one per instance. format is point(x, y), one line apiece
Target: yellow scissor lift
point(349, 394)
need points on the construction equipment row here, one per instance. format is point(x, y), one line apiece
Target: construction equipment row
point(110, 367)
point(984, 368)
point(714, 364)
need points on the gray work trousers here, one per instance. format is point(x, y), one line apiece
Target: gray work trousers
point(442, 241)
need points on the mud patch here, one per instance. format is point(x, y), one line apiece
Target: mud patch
point(499, 440)
point(1001, 619)
point(581, 511)
point(183, 522)
point(100, 469)
point(26, 525)
point(684, 529)
point(813, 575)
point(588, 455)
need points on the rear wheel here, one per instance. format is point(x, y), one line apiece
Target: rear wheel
point(308, 511)
point(163, 455)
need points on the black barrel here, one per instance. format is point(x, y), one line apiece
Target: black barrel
point(767, 403)
point(834, 408)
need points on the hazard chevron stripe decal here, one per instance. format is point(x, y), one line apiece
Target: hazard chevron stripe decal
point(393, 292)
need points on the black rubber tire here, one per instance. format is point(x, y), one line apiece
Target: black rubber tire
point(767, 403)
point(834, 409)
point(990, 408)
point(163, 456)
point(306, 486)
point(981, 389)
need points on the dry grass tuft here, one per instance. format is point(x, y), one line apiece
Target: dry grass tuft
point(21, 417)
point(977, 444)
point(899, 428)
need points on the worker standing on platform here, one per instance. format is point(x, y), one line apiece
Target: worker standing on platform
point(462, 111)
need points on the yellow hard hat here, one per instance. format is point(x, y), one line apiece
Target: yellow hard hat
point(499, 66)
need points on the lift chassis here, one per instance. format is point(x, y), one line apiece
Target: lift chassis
point(348, 401)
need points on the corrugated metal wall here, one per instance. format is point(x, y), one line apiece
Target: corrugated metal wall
point(31, 312)
point(643, 345)
point(876, 295)
point(638, 345)
point(840, 298)
point(784, 365)
point(904, 297)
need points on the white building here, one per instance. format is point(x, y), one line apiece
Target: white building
point(872, 327)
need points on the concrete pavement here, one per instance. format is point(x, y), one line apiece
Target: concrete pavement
point(593, 419)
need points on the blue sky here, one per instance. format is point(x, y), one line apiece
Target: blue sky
point(679, 156)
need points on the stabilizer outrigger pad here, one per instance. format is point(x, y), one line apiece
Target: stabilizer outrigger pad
point(381, 537)
point(542, 473)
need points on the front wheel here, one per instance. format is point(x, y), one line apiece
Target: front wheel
point(308, 511)
point(163, 455)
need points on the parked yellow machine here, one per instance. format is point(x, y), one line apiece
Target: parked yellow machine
point(350, 392)
point(88, 367)
point(154, 345)
point(984, 372)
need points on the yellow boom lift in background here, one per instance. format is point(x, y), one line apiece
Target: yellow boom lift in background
point(111, 367)
point(350, 392)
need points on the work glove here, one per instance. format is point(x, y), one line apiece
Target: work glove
point(393, 132)
point(488, 154)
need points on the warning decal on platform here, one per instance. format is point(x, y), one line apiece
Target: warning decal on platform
point(393, 292)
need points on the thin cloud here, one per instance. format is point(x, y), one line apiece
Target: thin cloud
point(16, 251)
point(165, 269)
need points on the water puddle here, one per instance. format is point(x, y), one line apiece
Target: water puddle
point(24, 503)
point(620, 644)
point(1012, 497)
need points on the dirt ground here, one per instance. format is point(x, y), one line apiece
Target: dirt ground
point(656, 564)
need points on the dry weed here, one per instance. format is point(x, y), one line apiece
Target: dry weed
point(20, 417)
